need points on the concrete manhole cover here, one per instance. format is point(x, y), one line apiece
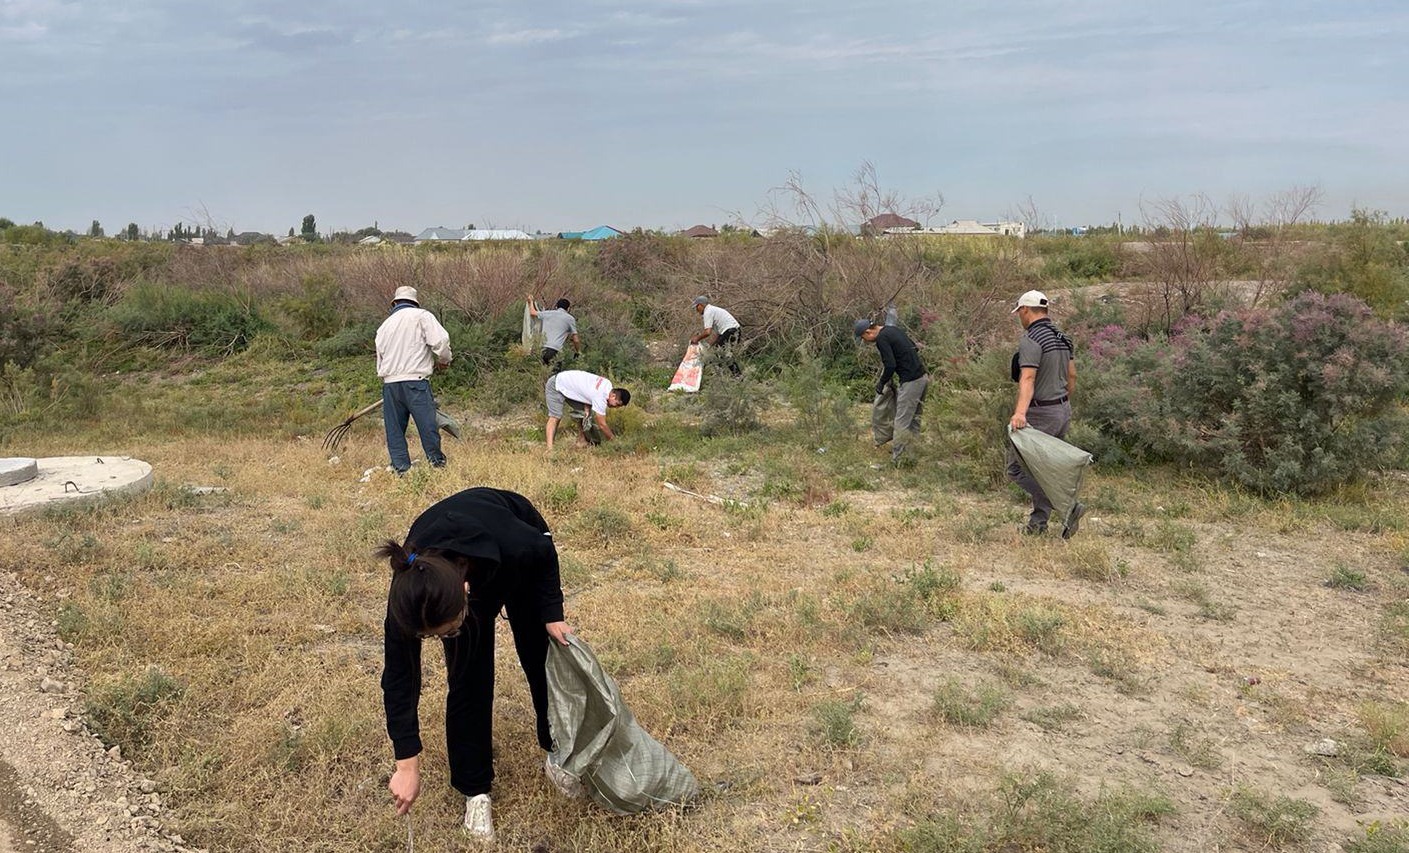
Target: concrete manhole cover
point(68, 479)
point(15, 470)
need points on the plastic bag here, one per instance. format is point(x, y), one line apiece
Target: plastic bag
point(598, 743)
point(1057, 467)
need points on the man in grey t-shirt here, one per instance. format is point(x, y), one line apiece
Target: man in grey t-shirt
point(558, 325)
point(1045, 370)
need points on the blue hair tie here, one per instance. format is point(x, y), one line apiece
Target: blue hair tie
point(410, 558)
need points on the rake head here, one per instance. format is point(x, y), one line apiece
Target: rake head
point(336, 435)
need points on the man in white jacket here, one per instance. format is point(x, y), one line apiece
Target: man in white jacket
point(411, 345)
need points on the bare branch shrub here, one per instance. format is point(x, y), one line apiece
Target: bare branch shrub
point(1182, 261)
point(1033, 218)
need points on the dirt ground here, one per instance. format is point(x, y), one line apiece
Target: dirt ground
point(60, 790)
point(1219, 704)
point(1204, 651)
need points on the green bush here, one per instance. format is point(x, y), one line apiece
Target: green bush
point(34, 235)
point(174, 317)
point(24, 330)
point(126, 712)
point(1274, 821)
point(823, 410)
point(1296, 399)
point(1367, 259)
point(610, 347)
point(353, 339)
point(1381, 838)
point(836, 722)
point(731, 403)
point(975, 709)
point(1079, 258)
point(85, 279)
point(316, 311)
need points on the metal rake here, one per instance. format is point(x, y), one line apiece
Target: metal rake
point(337, 434)
point(335, 437)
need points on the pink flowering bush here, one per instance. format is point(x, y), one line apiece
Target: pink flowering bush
point(1294, 399)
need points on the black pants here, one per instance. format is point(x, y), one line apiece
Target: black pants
point(469, 706)
point(726, 341)
point(549, 354)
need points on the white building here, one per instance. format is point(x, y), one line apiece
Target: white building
point(968, 228)
point(496, 234)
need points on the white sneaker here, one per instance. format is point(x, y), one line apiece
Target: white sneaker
point(478, 821)
point(568, 784)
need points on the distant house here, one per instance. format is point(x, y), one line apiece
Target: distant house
point(601, 232)
point(293, 238)
point(370, 240)
point(438, 234)
point(699, 231)
point(887, 222)
point(496, 234)
point(252, 238)
point(968, 228)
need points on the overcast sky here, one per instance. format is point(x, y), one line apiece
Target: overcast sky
point(553, 115)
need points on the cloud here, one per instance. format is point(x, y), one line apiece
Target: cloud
point(646, 20)
point(290, 39)
point(531, 36)
point(33, 20)
point(28, 31)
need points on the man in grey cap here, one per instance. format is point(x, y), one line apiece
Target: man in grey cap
point(722, 326)
point(895, 413)
point(411, 345)
point(1045, 369)
point(558, 327)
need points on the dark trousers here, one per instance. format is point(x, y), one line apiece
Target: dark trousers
point(726, 341)
point(549, 354)
point(469, 706)
point(404, 400)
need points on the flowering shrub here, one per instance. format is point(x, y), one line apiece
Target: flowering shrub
point(1295, 399)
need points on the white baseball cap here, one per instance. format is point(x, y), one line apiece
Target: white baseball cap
point(405, 294)
point(1031, 299)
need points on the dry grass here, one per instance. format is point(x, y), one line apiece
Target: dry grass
point(758, 642)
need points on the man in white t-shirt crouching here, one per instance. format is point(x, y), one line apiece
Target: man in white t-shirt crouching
point(581, 391)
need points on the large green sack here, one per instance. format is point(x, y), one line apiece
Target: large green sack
point(599, 743)
point(1057, 467)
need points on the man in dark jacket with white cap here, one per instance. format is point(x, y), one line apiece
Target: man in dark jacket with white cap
point(1045, 369)
point(411, 345)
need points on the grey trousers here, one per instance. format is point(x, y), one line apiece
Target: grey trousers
point(895, 414)
point(1053, 420)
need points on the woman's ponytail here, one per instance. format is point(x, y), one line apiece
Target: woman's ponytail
point(427, 589)
point(395, 555)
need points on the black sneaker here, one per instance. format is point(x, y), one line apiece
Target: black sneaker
point(1074, 521)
